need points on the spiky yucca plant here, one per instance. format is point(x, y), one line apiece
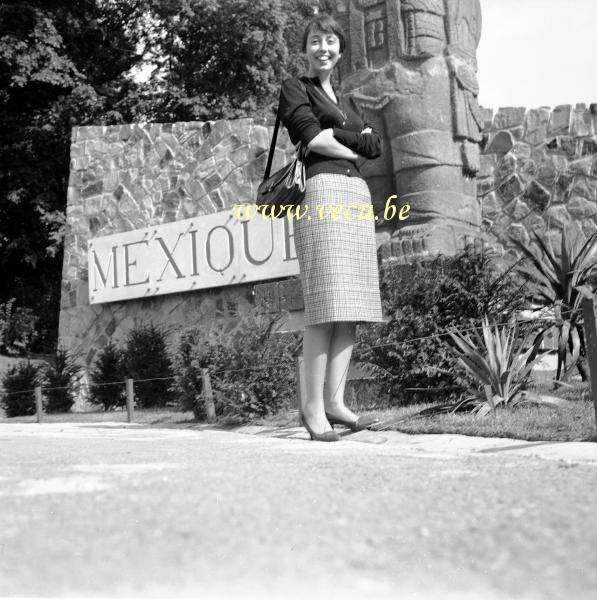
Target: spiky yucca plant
point(498, 361)
point(556, 284)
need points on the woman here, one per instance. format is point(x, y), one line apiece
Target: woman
point(336, 246)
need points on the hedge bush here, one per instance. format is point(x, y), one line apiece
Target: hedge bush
point(145, 356)
point(61, 379)
point(17, 396)
point(251, 368)
point(422, 300)
point(107, 369)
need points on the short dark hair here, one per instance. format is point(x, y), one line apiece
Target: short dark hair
point(325, 24)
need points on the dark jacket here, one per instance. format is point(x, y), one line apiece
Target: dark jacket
point(306, 109)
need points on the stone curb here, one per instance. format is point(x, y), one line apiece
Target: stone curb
point(443, 445)
point(450, 444)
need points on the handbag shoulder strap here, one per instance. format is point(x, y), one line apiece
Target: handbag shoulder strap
point(272, 147)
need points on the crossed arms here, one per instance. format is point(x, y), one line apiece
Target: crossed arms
point(297, 115)
point(328, 142)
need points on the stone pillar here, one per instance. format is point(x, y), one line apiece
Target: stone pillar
point(411, 64)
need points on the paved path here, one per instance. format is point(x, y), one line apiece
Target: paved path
point(112, 510)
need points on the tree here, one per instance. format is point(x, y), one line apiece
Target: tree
point(145, 359)
point(108, 370)
point(61, 375)
point(50, 80)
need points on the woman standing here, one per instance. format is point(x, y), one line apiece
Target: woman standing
point(335, 243)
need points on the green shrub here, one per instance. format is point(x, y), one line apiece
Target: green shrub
point(423, 300)
point(146, 357)
point(17, 328)
point(17, 396)
point(498, 361)
point(61, 377)
point(108, 368)
point(251, 368)
point(556, 283)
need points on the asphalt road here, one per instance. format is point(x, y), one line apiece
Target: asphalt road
point(106, 510)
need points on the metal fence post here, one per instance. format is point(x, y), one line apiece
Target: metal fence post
point(130, 399)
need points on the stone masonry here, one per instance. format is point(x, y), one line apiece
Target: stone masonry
point(539, 173)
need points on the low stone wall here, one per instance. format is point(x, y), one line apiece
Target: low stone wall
point(539, 173)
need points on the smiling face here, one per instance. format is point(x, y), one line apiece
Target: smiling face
point(323, 52)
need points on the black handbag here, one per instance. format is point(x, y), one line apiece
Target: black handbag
point(285, 189)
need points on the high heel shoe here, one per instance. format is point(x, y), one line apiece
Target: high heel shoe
point(358, 425)
point(326, 436)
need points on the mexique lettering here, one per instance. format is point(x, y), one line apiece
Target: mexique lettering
point(188, 255)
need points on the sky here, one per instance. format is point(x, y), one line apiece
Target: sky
point(538, 53)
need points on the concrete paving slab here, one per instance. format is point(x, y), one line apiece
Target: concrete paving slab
point(90, 510)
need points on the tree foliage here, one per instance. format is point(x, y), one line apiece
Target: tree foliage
point(219, 58)
point(61, 64)
point(17, 328)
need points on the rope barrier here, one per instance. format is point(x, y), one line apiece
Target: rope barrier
point(263, 367)
point(154, 379)
point(19, 392)
point(105, 384)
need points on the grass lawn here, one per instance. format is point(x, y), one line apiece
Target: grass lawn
point(574, 420)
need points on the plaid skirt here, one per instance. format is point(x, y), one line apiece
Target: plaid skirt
point(336, 249)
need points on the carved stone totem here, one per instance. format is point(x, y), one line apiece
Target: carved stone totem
point(411, 65)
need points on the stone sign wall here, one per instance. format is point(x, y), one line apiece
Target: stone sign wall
point(131, 177)
point(538, 173)
point(222, 249)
